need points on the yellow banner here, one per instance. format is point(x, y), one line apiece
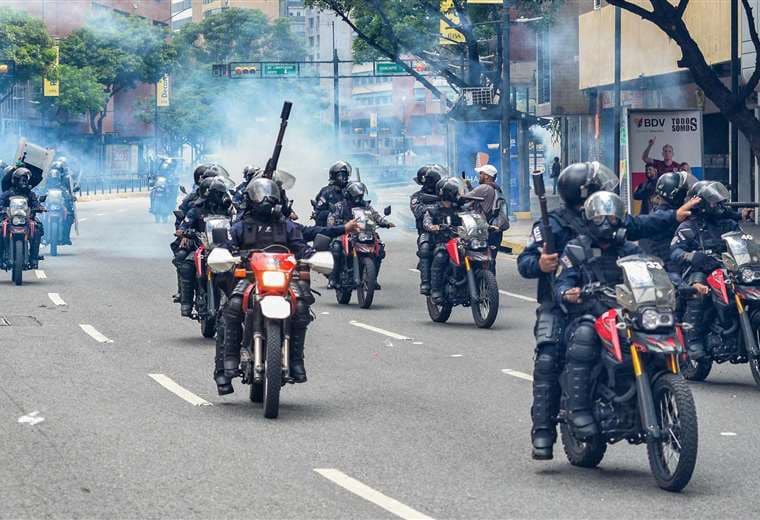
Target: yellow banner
point(449, 35)
point(52, 88)
point(162, 91)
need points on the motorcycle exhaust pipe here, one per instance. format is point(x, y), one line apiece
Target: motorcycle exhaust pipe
point(357, 277)
point(750, 343)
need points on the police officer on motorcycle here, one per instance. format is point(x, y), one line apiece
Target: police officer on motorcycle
point(249, 172)
point(57, 180)
point(331, 194)
point(575, 184)
point(343, 212)
point(21, 187)
point(427, 177)
point(603, 243)
point(264, 225)
point(695, 253)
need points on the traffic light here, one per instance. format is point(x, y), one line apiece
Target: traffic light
point(244, 70)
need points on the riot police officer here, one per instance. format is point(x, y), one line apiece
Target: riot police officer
point(427, 177)
point(21, 187)
point(436, 221)
point(331, 194)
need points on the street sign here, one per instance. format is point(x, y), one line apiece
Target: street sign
point(52, 88)
point(280, 69)
point(384, 68)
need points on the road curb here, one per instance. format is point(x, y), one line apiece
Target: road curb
point(112, 196)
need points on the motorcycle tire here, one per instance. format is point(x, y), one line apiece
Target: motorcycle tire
point(208, 327)
point(343, 295)
point(273, 370)
point(484, 312)
point(55, 231)
point(696, 370)
point(677, 416)
point(18, 262)
point(588, 454)
point(438, 313)
point(365, 293)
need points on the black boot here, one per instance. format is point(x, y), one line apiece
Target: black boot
point(233, 337)
point(579, 401)
point(544, 412)
point(187, 295)
point(176, 297)
point(223, 383)
point(424, 267)
point(694, 335)
point(297, 342)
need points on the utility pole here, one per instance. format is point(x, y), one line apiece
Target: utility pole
point(505, 105)
point(336, 90)
point(616, 118)
point(735, 71)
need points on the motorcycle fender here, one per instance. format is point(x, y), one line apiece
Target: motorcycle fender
point(275, 307)
point(346, 244)
point(198, 258)
point(367, 249)
point(452, 248)
point(717, 283)
point(478, 256)
point(247, 296)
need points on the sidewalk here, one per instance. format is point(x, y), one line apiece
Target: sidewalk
point(112, 196)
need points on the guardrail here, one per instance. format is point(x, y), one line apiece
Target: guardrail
point(102, 185)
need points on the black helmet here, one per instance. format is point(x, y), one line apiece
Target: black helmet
point(355, 192)
point(604, 212)
point(54, 173)
point(264, 196)
point(672, 187)
point(340, 173)
point(198, 173)
point(216, 170)
point(714, 195)
point(579, 180)
point(421, 174)
point(217, 195)
point(429, 175)
point(248, 172)
point(695, 188)
point(21, 178)
point(450, 189)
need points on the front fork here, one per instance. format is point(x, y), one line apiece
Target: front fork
point(647, 413)
point(474, 296)
point(357, 274)
point(750, 342)
point(259, 350)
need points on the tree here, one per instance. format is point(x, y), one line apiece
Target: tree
point(80, 93)
point(733, 105)
point(120, 51)
point(400, 29)
point(25, 41)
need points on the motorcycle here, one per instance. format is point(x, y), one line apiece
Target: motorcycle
point(208, 294)
point(734, 313)
point(268, 303)
point(162, 200)
point(639, 394)
point(18, 228)
point(467, 279)
point(54, 220)
point(361, 252)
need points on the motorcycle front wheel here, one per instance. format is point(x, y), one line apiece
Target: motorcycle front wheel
point(696, 370)
point(673, 456)
point(438, 313)
point(18, 262)
point(208, 327)
point(584, 454)
point(365, 293)
point(273, 370)
point(484, 311)
point(343, 295)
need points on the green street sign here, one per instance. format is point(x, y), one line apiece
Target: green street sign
point(383, 68)
point(280, 69)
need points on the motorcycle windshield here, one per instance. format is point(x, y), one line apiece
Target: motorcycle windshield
point(54, 197)
point(18, 206)
point(284, 179)
point(647, 282)
point(364, 219)
point(743, 248)
point(474, 226)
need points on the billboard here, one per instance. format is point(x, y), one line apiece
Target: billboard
point(661, 140)
point(162, 91)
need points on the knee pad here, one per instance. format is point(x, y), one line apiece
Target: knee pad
point(233, 312)
point(186, 269)
point(547, 361)
point(425, 251)
point(239, 290)
point(584, 344)
point(548, 328)
point(302, 316)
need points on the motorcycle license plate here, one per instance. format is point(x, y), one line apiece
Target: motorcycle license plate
point(275, 307)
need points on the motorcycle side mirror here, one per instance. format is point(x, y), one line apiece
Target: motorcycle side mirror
point(322, 243)
point(43, 198)
point(183, 190)
point(576, 253)
point(219, 235)
point(387, 211)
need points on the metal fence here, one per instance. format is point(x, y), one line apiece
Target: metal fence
point(99, 185)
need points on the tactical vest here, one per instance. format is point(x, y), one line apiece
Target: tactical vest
point(569, 219)
point(258, 235)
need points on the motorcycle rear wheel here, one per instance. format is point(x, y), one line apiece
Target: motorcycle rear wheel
point(365, 293)
point(273, 370)
point(18, 262)
point(208, 327)
point(672, 458)
point(438, 313)
point(485, 310)
point(343, 295)
point(696, 370)
point(587, 454)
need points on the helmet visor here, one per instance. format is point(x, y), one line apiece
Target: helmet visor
point(714, 194)
point(284, 179)
point(603, 178)
point(603, 206)
point(261, 189)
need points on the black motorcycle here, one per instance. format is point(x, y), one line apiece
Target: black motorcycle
point(18, 228)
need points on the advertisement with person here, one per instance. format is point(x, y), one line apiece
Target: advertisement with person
point(660, 141)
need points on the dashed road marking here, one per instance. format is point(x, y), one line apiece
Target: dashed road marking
point(371, 495)
point(414, 270)
point(31, 418)
point(456, 355)
point(417, 343)
point(728, 434)
point(82, 219)
point(517, 374)
point(122, 211)
point(179, 391)
point(56, 298)
point(518, 296)
point(94, 334)
point(40, 274)
point(379, 330)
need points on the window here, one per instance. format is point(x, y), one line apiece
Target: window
point(543, 67)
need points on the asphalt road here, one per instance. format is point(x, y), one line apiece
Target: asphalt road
point(428, 425)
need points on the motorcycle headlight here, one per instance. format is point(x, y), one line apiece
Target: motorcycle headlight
point(651, 319)
point(747, 275)
point(18, 221)
point(273, 279)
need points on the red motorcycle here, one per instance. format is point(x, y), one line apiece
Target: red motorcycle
point(18, 227)
point(208, 294)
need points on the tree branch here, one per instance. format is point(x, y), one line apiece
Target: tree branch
point(681, 7)
point(747, 89)
point(633, 8)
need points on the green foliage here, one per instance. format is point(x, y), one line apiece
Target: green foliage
point(80, 92)
point(26, 41)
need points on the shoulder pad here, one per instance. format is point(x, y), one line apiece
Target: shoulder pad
point(685, 233)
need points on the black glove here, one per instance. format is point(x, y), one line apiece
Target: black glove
point(704, 263)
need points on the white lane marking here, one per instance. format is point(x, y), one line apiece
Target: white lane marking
point(371, 495)
point(40, 274)
point(325, 313)
point(56, 298)
point(379, 330)
point(414, 270)
point(456, 355)
point(728, 434)
point(177, 390)
point(518, 296)
point(31, 418)
point(82, 219)
point(417, 343)
point(517, 374)
point(99, 214)
point(94, 334)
